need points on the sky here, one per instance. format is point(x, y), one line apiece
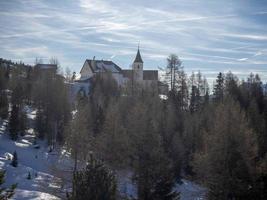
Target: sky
point(208, 35)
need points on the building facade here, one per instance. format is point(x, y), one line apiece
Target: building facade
point(136, 75)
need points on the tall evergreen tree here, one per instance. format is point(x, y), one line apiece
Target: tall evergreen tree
point(14, 161)
point(3, 105)
point(6, 193)
point(219, 87)
point(227, 163)
point(14, 122)
point(96, 181)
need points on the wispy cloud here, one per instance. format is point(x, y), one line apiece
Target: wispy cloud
point(246, 36)
point(206, 35)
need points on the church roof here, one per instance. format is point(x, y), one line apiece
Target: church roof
point(103, 66)
point(147, 74)
point(138, 57)
point(127, 73)
point(150, 75)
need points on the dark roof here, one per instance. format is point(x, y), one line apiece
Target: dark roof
point(138, 57)
point(150, 75)
point(147, 74)
point(103, 66)
point(128, 73)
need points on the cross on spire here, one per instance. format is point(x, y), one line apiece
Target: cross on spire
point(138, 57)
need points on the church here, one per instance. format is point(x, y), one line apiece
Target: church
point(136, 75)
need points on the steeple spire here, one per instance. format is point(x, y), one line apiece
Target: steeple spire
point(138, 58)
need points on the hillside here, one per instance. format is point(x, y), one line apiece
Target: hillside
point(49, 169)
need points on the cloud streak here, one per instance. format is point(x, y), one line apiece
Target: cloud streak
point(206, 35)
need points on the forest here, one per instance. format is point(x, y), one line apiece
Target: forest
point(215, 136)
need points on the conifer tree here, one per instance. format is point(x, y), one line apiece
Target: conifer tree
point(219, 88)
point(79, 134)
point(3, 105)
point(40, 124)
point(227, 163)
point(22, 122)
point(14, 122)
point(6, 193)
point(29, 177)
point(96, 181)
point(14, 161)
point(154, 171)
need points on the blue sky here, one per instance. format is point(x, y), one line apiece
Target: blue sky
point(208, 35)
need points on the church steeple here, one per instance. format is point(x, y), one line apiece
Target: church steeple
point(138, 67)
point(138, 58)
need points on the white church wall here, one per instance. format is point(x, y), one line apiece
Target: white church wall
point(86, 71)
point(119, 78)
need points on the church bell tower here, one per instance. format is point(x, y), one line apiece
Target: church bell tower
point(138, 67)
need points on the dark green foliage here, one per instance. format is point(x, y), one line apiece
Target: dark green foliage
point(29, 177)
point(154, 178)
point(228, 166)
point(164, 190)
point(17, 94)
point(17, 122)
point(219, 88)
point(14, 122)
point(104, 88)
point(96, 181)
point(194, 99)
point(14, 161)
point(3, 92)
point(40, 124)
point(3, 105)
point(51, 97)
point(6, 193)
point(22, 122)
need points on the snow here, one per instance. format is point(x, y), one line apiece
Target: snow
point(188, 190)
point(125, 184)
point(45, 182)
point(34, 195)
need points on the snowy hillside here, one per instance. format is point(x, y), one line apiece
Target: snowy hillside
point(42, 166)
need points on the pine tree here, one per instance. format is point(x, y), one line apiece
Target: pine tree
point(3, 93)
point(227, 163)
point(40, 124)
point(14, 122)
point(3, 105)
point(14, 161)
point(22, 122)
point(114, 137)
point(79, 134)
point(29, 177)
point(6, 193)
point(219, 88)
point(153, 168)
point(96, 181)
point(193, 99)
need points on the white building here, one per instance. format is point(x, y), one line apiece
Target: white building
point(145, 78)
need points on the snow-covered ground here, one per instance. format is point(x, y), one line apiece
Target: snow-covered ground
point(47, 169)
point(188, 190)
point(51, 172)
